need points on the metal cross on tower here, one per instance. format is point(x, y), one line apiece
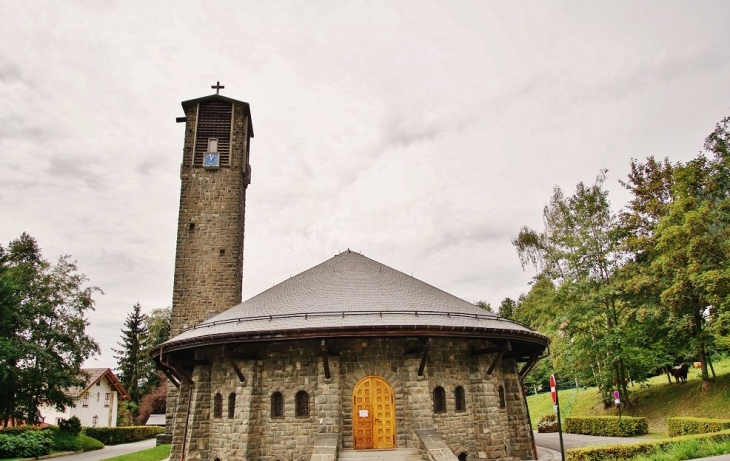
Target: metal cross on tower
point(217, 87)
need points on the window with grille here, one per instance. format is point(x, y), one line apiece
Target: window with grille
point(231, 405)
point(106, 399)
point(439, 400)
point(277, 405)
point(502, 402)
point(214, 122)
point(95, 420)
point(460, 398)
point(218, 406)
point(86, 400)
point(302, 404)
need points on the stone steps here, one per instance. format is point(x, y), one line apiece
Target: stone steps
point(395, 454)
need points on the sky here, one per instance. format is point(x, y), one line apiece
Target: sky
point(422, 134)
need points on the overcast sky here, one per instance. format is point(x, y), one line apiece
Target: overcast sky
point(421, 134)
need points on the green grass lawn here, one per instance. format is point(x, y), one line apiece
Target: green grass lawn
point(152, 454)
point(657, 401)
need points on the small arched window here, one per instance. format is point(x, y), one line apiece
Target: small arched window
point(217, 406)
point(231, 405)
point(460, 398)
point(277, 405)
point(301, 401)
point(439, 400)
point(502, 402)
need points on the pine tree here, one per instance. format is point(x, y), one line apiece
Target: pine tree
point(131, 357)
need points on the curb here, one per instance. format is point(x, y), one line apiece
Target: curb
point(53, 455)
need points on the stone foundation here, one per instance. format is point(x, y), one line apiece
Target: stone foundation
point(488, 428)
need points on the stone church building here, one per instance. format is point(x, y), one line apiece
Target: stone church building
point(346, 359)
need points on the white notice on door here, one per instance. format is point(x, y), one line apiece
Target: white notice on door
point(363, 413)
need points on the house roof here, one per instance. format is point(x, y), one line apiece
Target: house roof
point(156, 420)
point(352, 295)
point(95, 374)
point(218, 97)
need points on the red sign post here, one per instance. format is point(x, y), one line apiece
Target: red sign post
point(556, 405)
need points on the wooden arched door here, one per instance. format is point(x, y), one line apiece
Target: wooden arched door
point(373, 414)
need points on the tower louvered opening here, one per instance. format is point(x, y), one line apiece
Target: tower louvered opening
point(214, 121)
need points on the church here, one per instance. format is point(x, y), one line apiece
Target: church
point(346, 360)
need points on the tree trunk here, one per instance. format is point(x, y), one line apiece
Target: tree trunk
point(703, 363)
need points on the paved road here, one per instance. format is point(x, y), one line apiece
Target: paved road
point(548, 445)
point(110, 451)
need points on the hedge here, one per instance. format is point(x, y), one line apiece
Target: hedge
point(127, 434)
point(689, 426)
point(28, 444)
point(609, 426)
point(629, 451)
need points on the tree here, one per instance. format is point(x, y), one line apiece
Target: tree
point(131, 357)
point(44, 342)
point(579, 250)
point(693, 244)
point(158, 331)
point(484, 305)
point(507, 308)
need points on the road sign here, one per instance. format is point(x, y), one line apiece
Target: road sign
point(553, 390)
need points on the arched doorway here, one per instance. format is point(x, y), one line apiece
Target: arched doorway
point(373, 414)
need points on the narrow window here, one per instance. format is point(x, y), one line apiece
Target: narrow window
point(212, 145)
point(277, 405)
point(98, 396)
point(95, 420)
point(106, 399)
point(302, 404)
point(502, 403)
point(460, 398)
point(86, 400)
point(439, 400)
point(218, 406)
point(231, 404)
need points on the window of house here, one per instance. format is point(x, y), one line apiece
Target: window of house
point(439, 400)
point(460, 398)
point(106, 399)
point(98, 383)
point(94, 420)
point(98, 396)
point(85, 401)
point(502, 402)
point(277, 405)
point(217, 406)
point(231, 405)
point(301, 401)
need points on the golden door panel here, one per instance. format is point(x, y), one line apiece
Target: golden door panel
point(373, 418)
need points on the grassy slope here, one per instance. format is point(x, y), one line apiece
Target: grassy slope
point(656, 402)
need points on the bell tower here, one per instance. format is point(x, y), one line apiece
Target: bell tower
point(214, 175)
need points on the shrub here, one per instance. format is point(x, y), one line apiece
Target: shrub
point(28, 444)
point(689, 426)
point(89, 443)
point(63, 441)
point(610, 426)
point(628, 451)
point(547, 423)
point(70, 426)
point(117, 435)
point(16, 430)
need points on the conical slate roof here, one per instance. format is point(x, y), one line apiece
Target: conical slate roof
point(351, 295)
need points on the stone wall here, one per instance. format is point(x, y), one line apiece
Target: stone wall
point(211, 221)
point(483, 430)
